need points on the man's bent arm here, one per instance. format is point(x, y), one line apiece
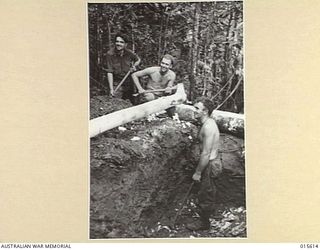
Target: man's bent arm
point(137, 82)
point(171, 81)
point(134, 59)
point(136, 63)
point(136, 75)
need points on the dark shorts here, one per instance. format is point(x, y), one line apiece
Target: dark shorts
point(208, 189)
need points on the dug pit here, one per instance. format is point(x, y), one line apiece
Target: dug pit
point(140, 174)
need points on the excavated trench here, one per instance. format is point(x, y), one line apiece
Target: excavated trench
point(140, 173)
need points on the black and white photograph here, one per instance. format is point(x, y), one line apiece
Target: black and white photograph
point(167, 120)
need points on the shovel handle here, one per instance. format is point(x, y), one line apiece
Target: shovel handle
point(182, 204)
point(155, 90)
point(122, 81)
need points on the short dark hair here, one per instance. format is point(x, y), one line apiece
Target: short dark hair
point(123, 36)
point(207, 103)
point(169, 57)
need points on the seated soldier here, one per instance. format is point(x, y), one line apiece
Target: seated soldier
point(160, 77)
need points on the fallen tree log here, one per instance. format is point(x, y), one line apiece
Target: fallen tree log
point(228, 122)
point(103, 123)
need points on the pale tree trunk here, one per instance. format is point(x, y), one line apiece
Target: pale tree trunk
point(228, 122)
point(115, 119)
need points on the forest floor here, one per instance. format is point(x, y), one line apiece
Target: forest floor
point(140, 174)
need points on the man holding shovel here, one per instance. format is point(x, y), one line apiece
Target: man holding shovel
point(121, 62)
point(209, 167)
point(160, 81)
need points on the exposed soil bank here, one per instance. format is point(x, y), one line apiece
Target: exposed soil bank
point(140, 175)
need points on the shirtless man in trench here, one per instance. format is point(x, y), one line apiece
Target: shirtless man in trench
point(209, 166)
point(160, 77)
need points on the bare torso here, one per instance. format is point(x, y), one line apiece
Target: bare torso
point(211, 127)
point(158, 80)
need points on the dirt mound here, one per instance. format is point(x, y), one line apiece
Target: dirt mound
point(103, 104)
point(140, 173)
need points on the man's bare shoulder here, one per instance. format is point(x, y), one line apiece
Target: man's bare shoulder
point(210, 126)
point(153, 69)
point(171, 74)
point(146, 71)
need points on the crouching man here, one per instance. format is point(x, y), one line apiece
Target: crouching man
point(159, 77)
point(119, 61)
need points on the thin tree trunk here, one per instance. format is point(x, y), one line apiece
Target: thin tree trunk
point(132, 37)
point(165, 33)
point(233, 105)
point(160, 38)
point(207, 54)
point(99, 48)
point(226, 53)
point(108, 24)
point(204, 91)
point(194, 51)
point(109, 34)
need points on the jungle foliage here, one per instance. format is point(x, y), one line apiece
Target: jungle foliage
point(206, 38)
